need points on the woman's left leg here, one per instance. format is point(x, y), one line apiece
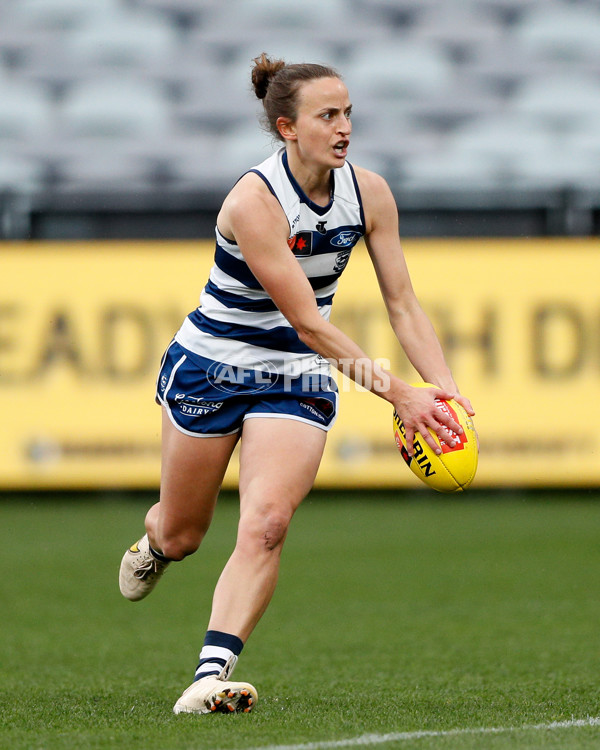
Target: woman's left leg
point(279, 460)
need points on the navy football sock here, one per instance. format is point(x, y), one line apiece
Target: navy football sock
point(219, 648)
point(158, 555)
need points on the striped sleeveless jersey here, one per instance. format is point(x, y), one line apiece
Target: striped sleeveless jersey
point(237, 322)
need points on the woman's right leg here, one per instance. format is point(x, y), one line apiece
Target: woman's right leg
point(192, 471)
point(191, 476)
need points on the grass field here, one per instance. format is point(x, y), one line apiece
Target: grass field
point(421, 622)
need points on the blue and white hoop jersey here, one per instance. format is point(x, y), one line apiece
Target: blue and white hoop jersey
point(237, 322)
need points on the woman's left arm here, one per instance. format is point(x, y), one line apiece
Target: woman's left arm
point(407, 318)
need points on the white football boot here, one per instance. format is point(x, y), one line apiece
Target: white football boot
point(140, 571)
point(217, 694)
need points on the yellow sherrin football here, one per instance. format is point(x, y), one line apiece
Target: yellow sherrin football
point(454, 469)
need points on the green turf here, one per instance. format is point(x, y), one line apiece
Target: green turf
point(391, 616)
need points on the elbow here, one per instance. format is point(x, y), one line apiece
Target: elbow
point(399, 313)
point(308, 333)
point(307, 336)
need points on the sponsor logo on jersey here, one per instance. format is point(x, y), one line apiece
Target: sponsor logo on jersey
point(347, 238)
point(321, 227)
point(301, 244)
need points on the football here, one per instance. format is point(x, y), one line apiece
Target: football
point(454, 469)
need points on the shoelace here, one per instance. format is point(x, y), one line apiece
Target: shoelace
point(146, 569)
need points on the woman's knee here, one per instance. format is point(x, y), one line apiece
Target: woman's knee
point(176, 540)
point(177, 545)
point(266, 530)
point(175, 537)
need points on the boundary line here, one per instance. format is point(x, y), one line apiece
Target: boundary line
point(367, 740)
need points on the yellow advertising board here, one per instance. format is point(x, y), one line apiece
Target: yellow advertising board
point(83, 327)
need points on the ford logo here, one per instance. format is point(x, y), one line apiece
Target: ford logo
point(345, 239)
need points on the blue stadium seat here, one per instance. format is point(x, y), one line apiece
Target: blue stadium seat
point(459, 26)
point(287, 46)
point(486, 152)
point(218, 98)
point(403, 70)
point(25, 109)
point(183, 13)
point(503, 136)
point(115, 107)
point(126, 38)
point(99, 165)
point(252, 15)
point(56, 15)
point(506, 12)
point(466, 98)
point(396, 13)
point(240, 149)
point(197, 164)
point(559, 100)
point(442, 171)
point(558, 31)
point(584, 136)
point(246, 22)
point(20, 174)
point(566, 169)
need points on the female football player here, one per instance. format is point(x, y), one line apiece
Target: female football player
point(252, 362)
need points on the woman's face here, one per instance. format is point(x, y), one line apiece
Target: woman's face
point(322, 127)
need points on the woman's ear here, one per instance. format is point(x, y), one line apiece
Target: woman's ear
point(286, 128)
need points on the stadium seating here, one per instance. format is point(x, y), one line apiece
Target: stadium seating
point(559, 31)
point(245, 16)
point(125, 39)
point(498, 93)
point(57, 15)
point(114, 107)
point(25, 110)
point(107, 168)
point(411, 70)
point(559, 99)
point(20, 174)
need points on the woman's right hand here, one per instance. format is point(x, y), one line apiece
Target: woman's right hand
point(419, 412)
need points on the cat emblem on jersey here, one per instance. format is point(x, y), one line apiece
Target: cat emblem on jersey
point(341, 260)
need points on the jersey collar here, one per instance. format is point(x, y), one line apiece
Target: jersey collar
point(320, 210)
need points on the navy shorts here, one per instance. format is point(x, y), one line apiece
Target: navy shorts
point(204, 398)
